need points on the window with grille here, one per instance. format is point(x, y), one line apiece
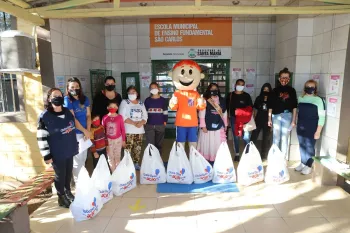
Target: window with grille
point(9, 100)
point(215, 71)
point(5, 21)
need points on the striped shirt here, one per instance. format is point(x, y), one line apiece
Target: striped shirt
point(157, 110)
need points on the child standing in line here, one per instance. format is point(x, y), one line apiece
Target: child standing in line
point(99, 140)
point(115, 132)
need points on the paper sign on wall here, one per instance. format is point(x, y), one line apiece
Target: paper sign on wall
point(236, 73)
point(334, 83)
point(332, 106)
point(250, 89)
point(316, 77)
point(145, 79)
point(60, 83)
point(250, 73)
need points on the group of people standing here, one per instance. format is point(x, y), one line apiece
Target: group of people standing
point(113, 123)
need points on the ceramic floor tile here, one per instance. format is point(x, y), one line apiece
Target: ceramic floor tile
point(342, 225)
point(216, 202)
point(266, 225)
point(227, 225)
point(95, 225)
point(326, 193)
point(175, 207)
point(299, 206)
point(257, 211)
point(309, 225)
point(136, 208)
point(143, 191)
point(125, 225)
point(175, 225)
point(51, 208)
point(46, 224)
point(335, 209)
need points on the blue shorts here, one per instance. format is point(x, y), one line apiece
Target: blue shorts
point(184, 134)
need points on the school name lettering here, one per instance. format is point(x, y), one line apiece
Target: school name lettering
point(176, 32)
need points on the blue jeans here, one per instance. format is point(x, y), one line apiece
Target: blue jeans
point(307, 149)
point(281, 123)
point(246, 136)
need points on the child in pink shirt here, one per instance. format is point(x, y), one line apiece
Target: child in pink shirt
point(115, 132)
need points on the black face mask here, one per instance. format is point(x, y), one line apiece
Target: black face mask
point(214, 93)
point(110, 87)
point(309, 90)
point(57, 101)
point(74, 92)
point(265, 93)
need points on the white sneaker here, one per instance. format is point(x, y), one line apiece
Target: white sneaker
point(300, 167)
point(306, 170)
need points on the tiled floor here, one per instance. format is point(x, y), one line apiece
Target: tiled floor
point(298, 206)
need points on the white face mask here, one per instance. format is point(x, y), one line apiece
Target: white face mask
point(154, 91)
point(239, 88)
point(132, 97)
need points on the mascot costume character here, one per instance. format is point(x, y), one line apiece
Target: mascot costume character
point(186, 76)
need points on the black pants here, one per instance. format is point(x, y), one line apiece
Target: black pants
point(265, 145)
point(155, 135)
point(100, 152)
point(63, 174)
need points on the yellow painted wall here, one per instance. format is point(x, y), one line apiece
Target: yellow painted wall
point(20, 157)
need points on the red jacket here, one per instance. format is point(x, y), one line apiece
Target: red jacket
point(243, 116)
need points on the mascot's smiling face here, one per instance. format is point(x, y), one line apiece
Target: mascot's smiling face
point(186, 75)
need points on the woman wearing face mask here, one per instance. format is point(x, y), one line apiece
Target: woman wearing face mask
point(311, 118)
point(102, 98)
point(157, 109)
point(135, 117)
point(58, 144)
point(261, 118)
point(79, 105)
point(213, 122)
point(240, 107)
point(282, 106)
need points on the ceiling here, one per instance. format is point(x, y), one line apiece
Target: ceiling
point(135, 3)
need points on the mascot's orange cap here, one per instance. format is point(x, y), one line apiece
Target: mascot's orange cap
point(188, 63)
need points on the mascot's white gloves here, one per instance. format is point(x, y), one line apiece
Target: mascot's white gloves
point(173, 100)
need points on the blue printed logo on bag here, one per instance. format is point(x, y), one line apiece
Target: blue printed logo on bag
point(255, 174)
point(128, 184)
point(106, 193)
point(204, 176)
point(227, 175)
point(152, 177)
point(179, 176)
point(280, 177)
point(89, 213)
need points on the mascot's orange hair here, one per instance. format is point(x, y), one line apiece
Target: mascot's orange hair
point(188, 63)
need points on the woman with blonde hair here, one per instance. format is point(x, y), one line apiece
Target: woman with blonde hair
point(311, 118)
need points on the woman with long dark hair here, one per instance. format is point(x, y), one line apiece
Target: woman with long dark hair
point(58, 144)
point(79, 105)
point(157, 109)
point(213, 123)
point(135, 117)
point(261, 118)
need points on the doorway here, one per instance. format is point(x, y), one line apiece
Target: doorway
point(130, 79)
point(217, 71)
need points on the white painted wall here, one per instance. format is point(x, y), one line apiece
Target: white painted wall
point(309, 46)
point(77, 47)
